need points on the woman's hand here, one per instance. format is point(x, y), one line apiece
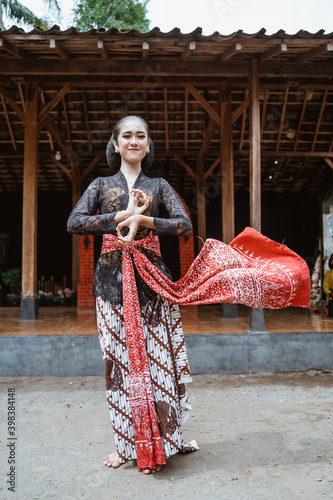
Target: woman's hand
point(132, 223)
point(135, 197)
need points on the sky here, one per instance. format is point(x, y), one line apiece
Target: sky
point(224, 16)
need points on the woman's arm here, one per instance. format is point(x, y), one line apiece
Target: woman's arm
point(178, 222)
point(83, 219)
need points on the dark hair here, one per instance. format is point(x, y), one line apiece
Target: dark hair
point(114, 159)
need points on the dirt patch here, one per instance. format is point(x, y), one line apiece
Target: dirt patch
point(261, 436)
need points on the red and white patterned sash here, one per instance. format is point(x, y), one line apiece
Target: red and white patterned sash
point(252, 270)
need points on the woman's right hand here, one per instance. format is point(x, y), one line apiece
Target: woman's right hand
point(136, 196)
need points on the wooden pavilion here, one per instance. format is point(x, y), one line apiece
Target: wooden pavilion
point(240, 111)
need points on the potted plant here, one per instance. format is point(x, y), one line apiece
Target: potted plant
point(13, 280)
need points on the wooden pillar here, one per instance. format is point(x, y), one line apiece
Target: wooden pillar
point(29, 302)
point(228, 311)
point(257, 319)
point(76, 194)
point(255, 157)
point(227, 168)
point(201, 203)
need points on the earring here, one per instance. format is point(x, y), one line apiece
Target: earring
point(116, 149)
point(148, 150)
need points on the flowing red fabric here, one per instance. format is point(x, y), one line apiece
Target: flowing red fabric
point(251, 270)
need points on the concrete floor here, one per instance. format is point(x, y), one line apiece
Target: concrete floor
point(261, 436)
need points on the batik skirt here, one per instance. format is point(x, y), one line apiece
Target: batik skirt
point(168, 366)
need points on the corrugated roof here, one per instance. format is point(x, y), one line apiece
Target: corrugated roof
point(175, 32)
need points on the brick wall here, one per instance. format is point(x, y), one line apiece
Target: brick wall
point(186, 249)
point(85, 299)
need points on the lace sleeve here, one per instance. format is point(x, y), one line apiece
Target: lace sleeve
point(177, 222)
point(83, 220)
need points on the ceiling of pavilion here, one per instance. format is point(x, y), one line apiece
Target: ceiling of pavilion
point(296, 104)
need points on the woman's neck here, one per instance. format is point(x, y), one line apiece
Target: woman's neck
point(130, 171)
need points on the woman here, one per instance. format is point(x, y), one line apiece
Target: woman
point(141, 338)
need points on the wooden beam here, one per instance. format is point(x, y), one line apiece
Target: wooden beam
point(166, 122)
point(69, 136)
point(59, 49)
point(8, 123)
point(63, 168)
point(329, 162)
point(145, 50)
point(205, 104)
point(21, 96)
point(186, 119)
point(29, 221)
point(188, 50)
point(208, 136)
point(146, 105)
point(12, 103)
point(263, 115)
point(212, 168)
point(240, 110)
point(11, 48)
point(231, 51)
point(56, 99)
point(255, 159)
point(92, 165)
point(241, 140)
point(301, 120)
point(86, 116)
point(296, 154)
point(285, 100)
point(227, 167)
point(65, 149)
point(138, 68)
point(322, 107)
point(315, 52)
point(101, 47)
point(274, 51)
point(186, 166)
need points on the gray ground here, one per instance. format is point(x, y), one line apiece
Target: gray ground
point(262, 436)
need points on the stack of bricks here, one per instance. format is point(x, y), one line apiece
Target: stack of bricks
point(85, 298)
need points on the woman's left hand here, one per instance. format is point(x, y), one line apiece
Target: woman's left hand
point(132, 223)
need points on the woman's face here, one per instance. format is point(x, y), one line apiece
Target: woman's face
point(132, 141)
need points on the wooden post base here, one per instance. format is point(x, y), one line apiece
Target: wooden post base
point(257, 321)
point(229, 311)
point(29, 309)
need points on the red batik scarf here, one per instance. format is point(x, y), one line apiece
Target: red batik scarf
point(252, 270)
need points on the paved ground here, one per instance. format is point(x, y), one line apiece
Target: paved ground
point(267, 436)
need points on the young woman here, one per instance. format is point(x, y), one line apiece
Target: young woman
point(140, 331)
point(141, 337)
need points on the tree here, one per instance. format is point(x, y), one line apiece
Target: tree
point(15, 11)
point(121, 14)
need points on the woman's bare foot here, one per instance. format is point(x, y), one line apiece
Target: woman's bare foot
point(189, 447)
point(151, 471)
point(112, 460)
